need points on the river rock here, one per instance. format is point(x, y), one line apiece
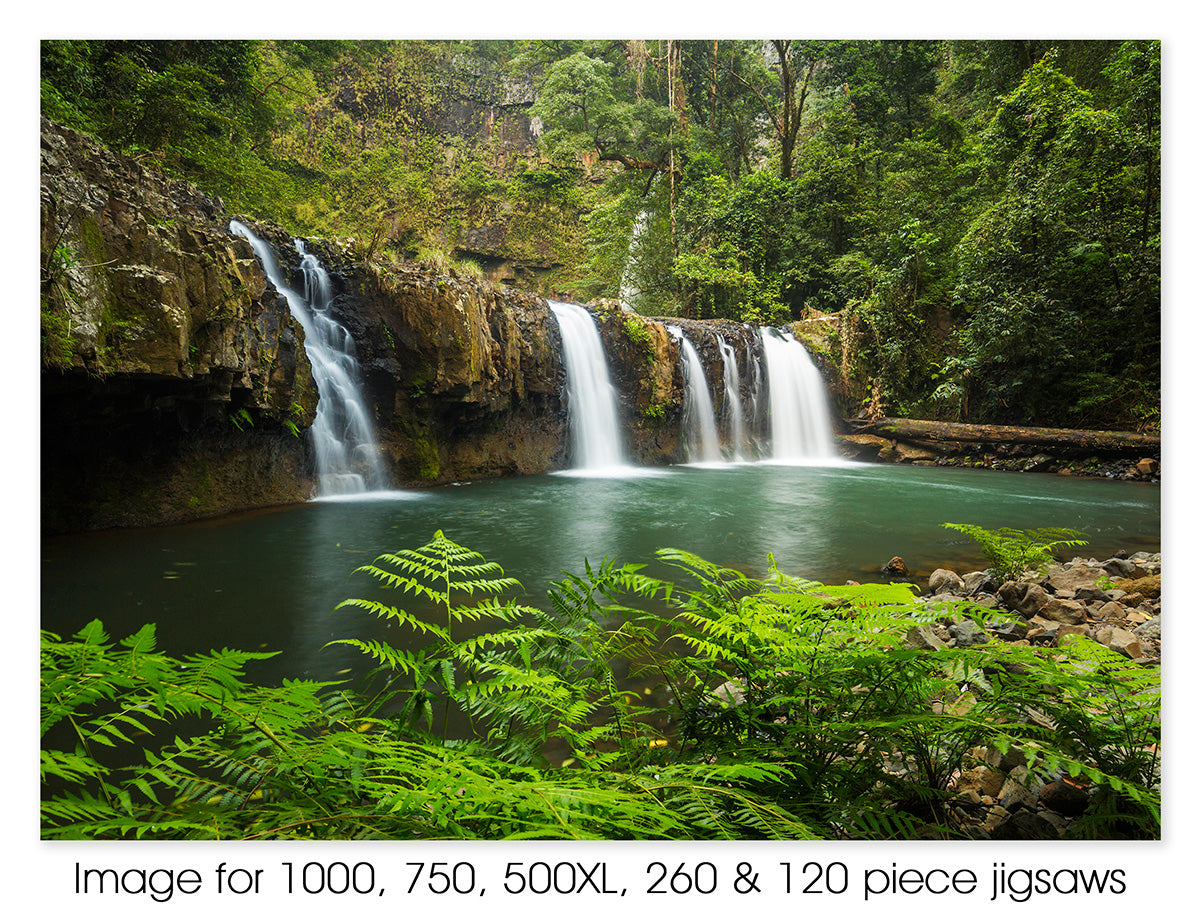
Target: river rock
point(1118, 567)
point(1009, 630)
point(1148, 586)
point(1147, 467)
point(943, 581)
point(1067, 630)
point(980, 581)
point(1065, 581)
point(967, 633)
point(924, 637)
point(1015, 793)
point(1120, 640)
point(1151, 629)
point(1011, 593)
point(1025, 825)
point(1064, 798)
point(731, 693)
point(1032, 601)
point(1063, 611)
point(984, 780)
point(1111, 610)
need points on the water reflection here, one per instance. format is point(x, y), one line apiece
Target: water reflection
point(273, 579)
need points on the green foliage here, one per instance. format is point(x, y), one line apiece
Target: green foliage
point(1069, 244)
point(986, 213)
point(1012, 553)
point(838, 729)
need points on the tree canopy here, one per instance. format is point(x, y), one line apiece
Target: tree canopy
point(984, 216)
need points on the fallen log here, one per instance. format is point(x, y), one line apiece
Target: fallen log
point(938, 431)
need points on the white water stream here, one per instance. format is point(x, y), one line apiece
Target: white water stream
point(799, 417)
point(699, 420)
point(591, 398)
point(733, 400)
point(343, 433)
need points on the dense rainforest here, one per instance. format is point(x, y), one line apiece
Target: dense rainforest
point(982, 216)
point(978, 221)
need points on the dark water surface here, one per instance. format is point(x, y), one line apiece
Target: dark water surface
point(272, 579)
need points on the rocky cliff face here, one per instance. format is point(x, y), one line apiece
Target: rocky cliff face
point(175, 383)
point(171, 369)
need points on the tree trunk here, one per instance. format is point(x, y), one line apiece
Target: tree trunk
point(937, 431)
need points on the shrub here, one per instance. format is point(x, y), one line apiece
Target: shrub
point(1011, 553)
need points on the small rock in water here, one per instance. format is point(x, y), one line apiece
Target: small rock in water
point(895, 567)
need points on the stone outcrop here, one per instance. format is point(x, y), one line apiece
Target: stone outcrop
point(175, 384)
point(173, 374)
point(466, 377)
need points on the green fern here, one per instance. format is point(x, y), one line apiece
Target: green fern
point(1011, 552)
point(833, 701)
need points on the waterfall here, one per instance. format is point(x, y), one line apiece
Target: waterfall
point(699, 419)
point(343, 433)
point(758, 420)
point(799, 418)
point(629, 292)
point(733, 399)
point(591, 398)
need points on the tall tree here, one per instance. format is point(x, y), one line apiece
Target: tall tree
point(780, 78)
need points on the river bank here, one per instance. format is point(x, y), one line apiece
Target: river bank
point(1115, 602)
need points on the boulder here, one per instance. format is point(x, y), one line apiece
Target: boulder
point(943, 581)
point(1063, 611)
point(1120, 640)
point(1033, 601)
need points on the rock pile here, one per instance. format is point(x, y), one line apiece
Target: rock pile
point(1117, 602)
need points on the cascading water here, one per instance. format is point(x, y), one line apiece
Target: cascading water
point(699, 419)
point(591, 398)
point(629, 292)
point(757, 418)
point(343, 434)
point(799, 417)
point(733, 399)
